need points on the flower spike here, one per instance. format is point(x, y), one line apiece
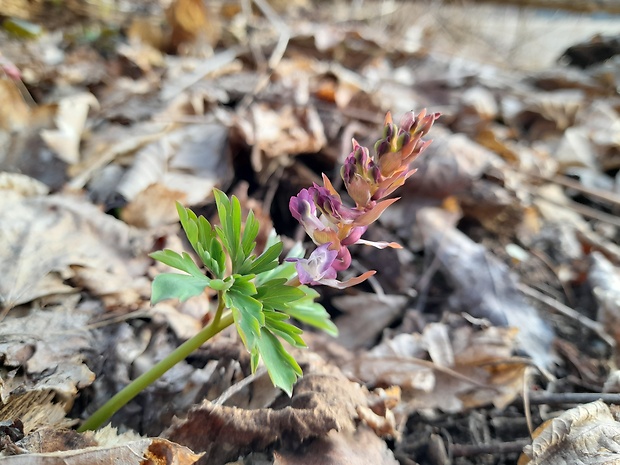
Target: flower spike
point(331, 224)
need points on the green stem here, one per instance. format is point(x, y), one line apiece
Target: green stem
point(130, 391)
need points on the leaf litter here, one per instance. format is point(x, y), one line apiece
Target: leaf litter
point(500, 307)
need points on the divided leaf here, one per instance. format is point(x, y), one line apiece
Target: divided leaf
point(276, 295)
point(177, 286)
point(256, 291)
point(310, 312)
point(281, 366)
point(266, 261)
point(248, 315)
point(229, 212)
point(202, 237)
point(181, 262)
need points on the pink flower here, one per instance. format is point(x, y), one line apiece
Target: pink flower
point(318, 268)
point(332, 225)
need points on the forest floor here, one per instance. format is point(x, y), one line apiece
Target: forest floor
point(490, 337)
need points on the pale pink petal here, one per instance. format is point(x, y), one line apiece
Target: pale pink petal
point(380, 244)
point(349, 282)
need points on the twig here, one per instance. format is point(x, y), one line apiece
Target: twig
point(583, 210)
point(468, 450)
point(560, 398)
point(210, 65)
point(235, 388)
point(276, 55)
point(526, 400)
point(598, 328)
point(565, 181)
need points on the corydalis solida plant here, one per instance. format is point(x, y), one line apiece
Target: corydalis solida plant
point(332, 225)
point(258, 293)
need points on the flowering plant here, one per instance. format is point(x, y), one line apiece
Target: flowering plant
point(368, 180)
point(260, 293)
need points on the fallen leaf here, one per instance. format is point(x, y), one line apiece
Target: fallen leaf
point(149, 450)
point(485, 287)
point(22, 184)
point(41, 353)
point(154, 206)
point(285, 131)
point(70, 122)
point(604, 278)
point(467, 368)
point(360, 447)
point(366, 317)
point(322, 401)
point(44, 236)
point(189, 160)
point(587, 434)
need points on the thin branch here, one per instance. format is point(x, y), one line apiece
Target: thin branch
point(468, 450)
point(595, 326)
point(561, 398)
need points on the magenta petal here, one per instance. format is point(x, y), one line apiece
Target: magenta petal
point(354, 236)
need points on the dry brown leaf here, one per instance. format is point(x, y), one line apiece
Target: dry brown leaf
point(366, 317)
point(21, 184)
point(604, 278)
point(450, 165)
point(70, 122)
point(44, 236)
point(360, 447)
point(322, 401)
point(191, 21)
point(42, 364)
point(584, 435)
point(469, 369)
point(276, 133)
point(485, 287)
point(140, 452)
point(14, 112)
point(154, 206)
point(576, 150)
point(190, 160)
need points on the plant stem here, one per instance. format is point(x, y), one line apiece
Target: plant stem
point(130, 391)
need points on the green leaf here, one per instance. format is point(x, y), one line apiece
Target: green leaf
point(268, 260)
point(222, 284)
point(208, 260)
point(229, 212)
point(181, 262)
point(177, 286)
point(250, 231)
point(284, 270)
point(203, 239)
point(206, 233)
point(248, 315)
point(244, 284)
point(275, 294)
point(274, 322)
point(310, 312)
point(189, 224)
point(281, 366)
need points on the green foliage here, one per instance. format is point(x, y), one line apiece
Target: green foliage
point(256, 289)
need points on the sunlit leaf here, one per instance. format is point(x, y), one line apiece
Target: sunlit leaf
point(248, 315)
point(177, 286)
point(181, 262)
point(275, 322)
point(265, 262)
point(250, 232)
point(189, 224)
point(310, 312)
point(275, 294)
